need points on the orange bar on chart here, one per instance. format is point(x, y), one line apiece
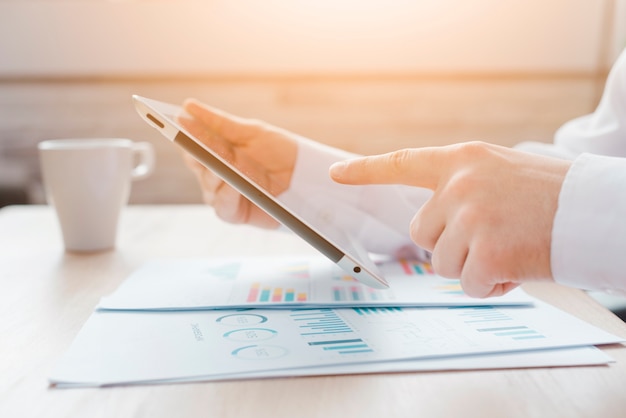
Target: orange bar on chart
point(277, 296)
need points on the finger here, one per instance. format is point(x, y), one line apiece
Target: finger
point(195, 165)
point(452, 246)
point(199, 171)
point(260, 218)
point(482, 278)
point(421, 167)
point(427, 225)
point(210, 192)
point(208, 181)
point(477, 289)
point(231, 127)
point(230, 205)
point(211, 186)
point(449, 255)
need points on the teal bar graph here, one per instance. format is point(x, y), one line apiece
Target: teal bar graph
point(339, 294)
point(351, 346)
point(356, 293)
point(265, 295)
point(319, 321)
point(345, 347)
point(519, 332)
point(482, 314)
point(378, 311)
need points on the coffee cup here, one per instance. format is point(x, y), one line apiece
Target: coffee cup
point(88, 182)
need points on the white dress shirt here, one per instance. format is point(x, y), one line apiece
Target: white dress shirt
point(589, 231)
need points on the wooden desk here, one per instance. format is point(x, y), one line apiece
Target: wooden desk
point(46, 295)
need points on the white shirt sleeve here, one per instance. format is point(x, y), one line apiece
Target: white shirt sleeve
point(589, 231)
point(377, 215)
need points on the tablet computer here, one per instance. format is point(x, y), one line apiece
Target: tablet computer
point(328, 238)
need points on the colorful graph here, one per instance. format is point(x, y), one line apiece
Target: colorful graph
point(294, 271)
point(358, 293)
point(319, 321)
point(263, 293)
point(338, 277)
point(453, 288)
point(416, 268)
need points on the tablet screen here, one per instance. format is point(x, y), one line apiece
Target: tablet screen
point(324, 233)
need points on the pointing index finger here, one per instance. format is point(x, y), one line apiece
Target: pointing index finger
point(421, 167)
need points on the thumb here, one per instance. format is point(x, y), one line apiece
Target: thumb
point(420, 167)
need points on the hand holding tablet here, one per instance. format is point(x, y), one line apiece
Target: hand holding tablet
point(256, 160)
point(266, 156)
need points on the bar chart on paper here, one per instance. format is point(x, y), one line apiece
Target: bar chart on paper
point(493, 321)
point(416, 267)
point(264, 293)
point(283, 282)
point(366, 311)
point(319, 322)
point(327, 333)
point(447, 287)
point(346, 288)
point(342, 347)
point(289, 283)
point(258, 342)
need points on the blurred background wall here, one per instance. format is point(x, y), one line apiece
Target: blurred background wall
point(368, 76)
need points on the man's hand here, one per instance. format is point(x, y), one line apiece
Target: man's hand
point(489, 221)
point(263, 152)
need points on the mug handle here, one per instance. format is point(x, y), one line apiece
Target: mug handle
point(145, 160)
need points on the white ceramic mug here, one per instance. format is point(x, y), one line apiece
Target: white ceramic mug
point(88, 182)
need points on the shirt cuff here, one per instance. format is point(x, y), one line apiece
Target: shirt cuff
point(589, 231)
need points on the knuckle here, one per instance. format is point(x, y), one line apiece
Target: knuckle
point(399, 161)
point(482, 257)
point(467, 217)
point(467, 154)
point(490, 263)
point(458, 186)
point(444, 268)
point(474, 290)
point(474, 149)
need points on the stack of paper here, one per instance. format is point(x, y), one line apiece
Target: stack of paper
point(294, 282)
point(193, 320)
